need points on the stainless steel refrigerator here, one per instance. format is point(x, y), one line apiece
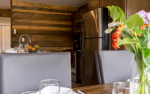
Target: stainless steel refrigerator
point(93, 39)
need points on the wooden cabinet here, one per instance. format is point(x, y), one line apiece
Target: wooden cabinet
point(93, 4)
point(5, 38)
point(120, 3)
point(133, 6)
point(83, 9)
point(128, 6)
point(103, 3)
point(77, 17)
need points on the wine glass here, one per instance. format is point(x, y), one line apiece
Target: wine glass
point(49, 86)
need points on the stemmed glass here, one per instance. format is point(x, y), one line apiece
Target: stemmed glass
point(49, 86)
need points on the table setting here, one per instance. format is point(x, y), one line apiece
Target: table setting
point(52, 86)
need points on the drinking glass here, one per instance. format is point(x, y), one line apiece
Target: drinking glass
point(20, 48)
point(49, 86)
point(123, 88)
point(26, 47)
point(29, 92)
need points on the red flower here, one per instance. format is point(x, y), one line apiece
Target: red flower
point(116, 35)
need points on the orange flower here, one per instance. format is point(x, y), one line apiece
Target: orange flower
point(116, 35)
point(139, 35)
point(119, 30)
point(115, 41)
point(143, 26)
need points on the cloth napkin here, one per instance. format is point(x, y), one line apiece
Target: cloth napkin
point(63, 90)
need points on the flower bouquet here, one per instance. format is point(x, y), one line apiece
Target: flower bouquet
point(134, 33)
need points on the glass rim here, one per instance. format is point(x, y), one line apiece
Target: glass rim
point(114, 84)
point(50, 80)
point(29, 92)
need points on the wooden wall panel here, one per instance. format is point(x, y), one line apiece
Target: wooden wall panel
point(46, 25)
point(5, 13)
point(37, 5)
point(38, 12)
point(133, 6)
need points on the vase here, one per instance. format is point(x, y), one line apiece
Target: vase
point(140, 75)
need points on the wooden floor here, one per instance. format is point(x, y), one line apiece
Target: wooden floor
point(75, 85)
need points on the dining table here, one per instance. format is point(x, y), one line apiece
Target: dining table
point(96, 89)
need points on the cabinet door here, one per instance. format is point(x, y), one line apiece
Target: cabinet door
point(120, 3)
point(134, 6)
point(6, 37)
point(104, 3)
point(93, 4)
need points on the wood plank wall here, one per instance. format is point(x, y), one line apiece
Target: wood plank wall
point(47, 25)
point(5, 13)
point(134, 6)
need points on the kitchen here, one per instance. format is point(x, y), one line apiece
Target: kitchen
point(62, 26)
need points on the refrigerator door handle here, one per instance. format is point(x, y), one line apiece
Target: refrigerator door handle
point(83, 51)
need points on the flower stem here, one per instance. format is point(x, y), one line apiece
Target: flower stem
point(143, 86)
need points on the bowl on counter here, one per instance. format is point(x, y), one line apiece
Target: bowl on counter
point(11, 50)
point(33, 48)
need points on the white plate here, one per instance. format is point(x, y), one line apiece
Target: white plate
point(63, 90)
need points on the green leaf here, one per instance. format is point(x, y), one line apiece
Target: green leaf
point(109, 8)
point(127, 41)
point(146, 56)
point(143, 41)
point(122, 17)
point(140, 31)
point(109, 30)
point(148, 44)
point(126, 34)
point(146, 28)
point(130, 48)
point(114, 13)
point(134, 21)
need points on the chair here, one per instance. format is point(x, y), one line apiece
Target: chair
point(113, 66)
point(23, 72)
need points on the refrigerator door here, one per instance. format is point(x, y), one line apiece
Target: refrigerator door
point(89, 74)
point(92, 23)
